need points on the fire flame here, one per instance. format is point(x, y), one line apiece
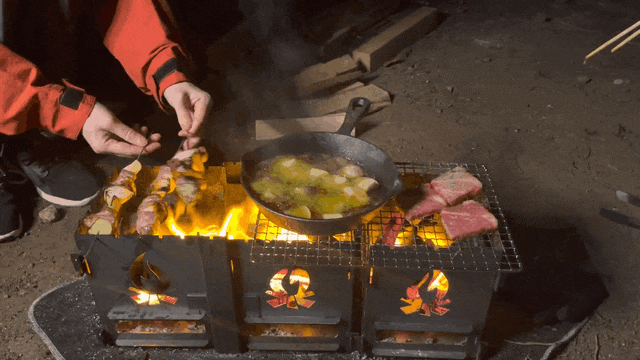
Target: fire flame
point(232, 227)
point(144, 297)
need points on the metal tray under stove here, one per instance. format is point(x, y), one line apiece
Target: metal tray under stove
point(493, 251)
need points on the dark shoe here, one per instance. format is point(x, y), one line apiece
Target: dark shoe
point(12, 182)
point(57, 178)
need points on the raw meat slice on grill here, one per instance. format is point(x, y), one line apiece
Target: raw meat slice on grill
point(455, 185)
point(466, 219)
point(431, 204)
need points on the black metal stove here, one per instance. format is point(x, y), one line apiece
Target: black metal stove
point(427, 296)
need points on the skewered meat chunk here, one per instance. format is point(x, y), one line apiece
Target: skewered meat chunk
point(163, 183)
point(152, 209)
point(190, 162)
point(188, 188)
point(455, 185)
point(468, 218)
point(151, 212)
point(121, 190)
point(431, 204)
point(102, 223)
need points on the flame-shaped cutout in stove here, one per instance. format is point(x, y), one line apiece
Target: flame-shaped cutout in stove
point(281, 295)
point(440, 284)
point(150, 282)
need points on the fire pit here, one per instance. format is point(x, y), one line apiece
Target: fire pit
point(233, 280)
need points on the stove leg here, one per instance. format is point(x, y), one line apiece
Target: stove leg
point(481, 352)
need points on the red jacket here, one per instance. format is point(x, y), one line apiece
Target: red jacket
point(135, 36)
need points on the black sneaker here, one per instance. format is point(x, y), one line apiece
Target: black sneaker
point(57, 178)
point(12, 182)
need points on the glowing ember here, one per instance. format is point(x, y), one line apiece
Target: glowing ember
point(160, 327)
point(144, 297)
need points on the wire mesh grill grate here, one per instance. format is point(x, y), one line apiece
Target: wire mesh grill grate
point(275, 245)
point(419, 245)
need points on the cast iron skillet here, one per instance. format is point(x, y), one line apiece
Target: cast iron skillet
point(374, 162)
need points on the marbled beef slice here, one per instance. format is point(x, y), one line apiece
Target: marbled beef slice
point(456, 184)
point(431, 204)
point(468, 218)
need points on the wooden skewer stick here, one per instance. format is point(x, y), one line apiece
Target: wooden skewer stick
point(615, 38)
point(626, 41)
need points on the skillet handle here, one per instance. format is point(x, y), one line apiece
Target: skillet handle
point(358, 107)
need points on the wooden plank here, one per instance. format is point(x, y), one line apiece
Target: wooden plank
point(386, 45)
point(327, 75)
point(273, 129)
point(340, 100)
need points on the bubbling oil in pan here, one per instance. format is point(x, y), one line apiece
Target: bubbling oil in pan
point(329, 163)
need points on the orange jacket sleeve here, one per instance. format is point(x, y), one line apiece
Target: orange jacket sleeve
point(27, 102)
point(136, 35)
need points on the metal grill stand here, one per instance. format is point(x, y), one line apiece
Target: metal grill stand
point(426, 297)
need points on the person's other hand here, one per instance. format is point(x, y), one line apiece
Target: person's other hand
point(191, 105)
point(106, 134)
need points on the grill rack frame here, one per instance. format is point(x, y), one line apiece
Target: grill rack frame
point(486, 252)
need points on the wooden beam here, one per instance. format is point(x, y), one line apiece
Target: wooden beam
point(273, 129)
point(327, 75)
point(386, 45)
point(339, 101)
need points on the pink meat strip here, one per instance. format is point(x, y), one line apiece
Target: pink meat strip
point(468, 218)
point(431, 204)
point(455, 185)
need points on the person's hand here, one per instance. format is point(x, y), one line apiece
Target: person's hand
point(106, 134)
point(191, 105)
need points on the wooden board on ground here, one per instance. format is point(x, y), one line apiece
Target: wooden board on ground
point(386, 45)
point(273, 129)
point(327, 75)
point(340, 100)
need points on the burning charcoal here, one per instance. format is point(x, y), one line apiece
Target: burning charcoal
point(392, 227)
point(49, 214)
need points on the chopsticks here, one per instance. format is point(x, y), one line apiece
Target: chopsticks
point(614, 39)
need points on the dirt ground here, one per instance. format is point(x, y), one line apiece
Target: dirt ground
point(501, 83)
